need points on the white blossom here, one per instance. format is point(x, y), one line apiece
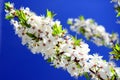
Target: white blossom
point(94, 32)
point(60, 50)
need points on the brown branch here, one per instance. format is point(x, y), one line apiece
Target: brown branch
point(96, 74)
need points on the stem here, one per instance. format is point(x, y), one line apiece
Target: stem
point(96, 74)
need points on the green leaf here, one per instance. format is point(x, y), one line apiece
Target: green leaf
point(9, 17)
point(67, 58)
point(118, 14)
point(57, 51)
point(116, 51)
point(22, 18)
point(104, 61)
point(7, 5)
point(86, 75)
point(92, 21)
point(82, 30)
point(49, 60)
point(50, 14)
point(57, 30)
point(112, 78)
point(81, 18)
point(97, 35)
point(117, 47)
point(69, 22)
point(31, 35)
point(78, 66)
point(112, 70)
point(117, 8)
point(114, 74)
point(21, 15)
point(76, 41)
point(18, 14)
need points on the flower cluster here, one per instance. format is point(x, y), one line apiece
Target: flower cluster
point(92, 31)
point(116, 1)
point(117, 8)
point(45, 36)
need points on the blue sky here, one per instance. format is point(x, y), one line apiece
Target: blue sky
point(18, 63)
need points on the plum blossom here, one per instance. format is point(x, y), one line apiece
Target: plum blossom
point(94, 32)
point(43, 35)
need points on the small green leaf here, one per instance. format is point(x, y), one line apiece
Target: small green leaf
point(49, 60)
point(117, 8)
point(57, 30)
point(118, 14)
point(22, 18)
point(50, 14)
point(114, 74)
point(9, 17)
point(76, 41)
point(112, 70)
point(69, 22)
point(67, 58)
point(78, 65)
point(92, 21)
point(81, 18)
point(97, 35)
point(117, 46)
point(87, 75)
point(21, 15)
point(32, 36)
point(57, 51)
point(112, 78)
point(104, 60)
point(82, 30)
point(116, 52)
point(7, 5)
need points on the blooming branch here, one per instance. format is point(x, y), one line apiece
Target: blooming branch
point(45, 36)
point(94, 32)
point(117, 8)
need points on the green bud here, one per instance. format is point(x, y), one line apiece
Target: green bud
point(69, 22)
point(9, 17)
point(7, 5)
point(57, 30)
point(118, 14)
point(81, 18)
point(76, 41)
point(82, 30)
point(49, 60)
point(50, 14)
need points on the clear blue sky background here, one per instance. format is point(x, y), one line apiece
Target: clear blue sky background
point(18, 63)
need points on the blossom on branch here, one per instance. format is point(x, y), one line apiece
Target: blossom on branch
point(44, 35)
point(92, 31)
point(117, 8)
